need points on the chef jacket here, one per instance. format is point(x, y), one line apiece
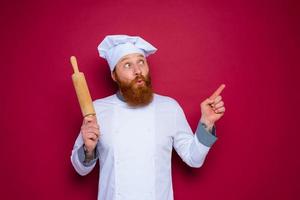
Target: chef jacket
point(135, 148)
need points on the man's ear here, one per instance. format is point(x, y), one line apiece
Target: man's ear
point(113, 76)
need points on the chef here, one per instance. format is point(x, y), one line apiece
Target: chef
point(134, 131)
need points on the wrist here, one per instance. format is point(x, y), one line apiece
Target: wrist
point(89, 154)
point(206, 123)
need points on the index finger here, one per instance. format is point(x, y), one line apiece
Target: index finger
point(217, 92)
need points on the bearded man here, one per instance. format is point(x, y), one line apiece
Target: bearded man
point(134, 131)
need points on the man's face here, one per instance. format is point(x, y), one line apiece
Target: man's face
point(131, 66)
point(132, 76)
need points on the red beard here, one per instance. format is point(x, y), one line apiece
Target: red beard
point(138, 92)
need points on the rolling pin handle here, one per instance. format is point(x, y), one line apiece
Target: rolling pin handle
point(74, 64)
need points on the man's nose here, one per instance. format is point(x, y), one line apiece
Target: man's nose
point(137, 70)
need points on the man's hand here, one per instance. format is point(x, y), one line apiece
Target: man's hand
point(90, 133)
point(212, 109)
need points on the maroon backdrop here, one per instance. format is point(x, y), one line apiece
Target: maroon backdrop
point(251, 46)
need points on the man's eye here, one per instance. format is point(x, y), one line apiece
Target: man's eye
point(141, 62)
point(127, 65)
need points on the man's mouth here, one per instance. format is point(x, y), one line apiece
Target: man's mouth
point(139, 81)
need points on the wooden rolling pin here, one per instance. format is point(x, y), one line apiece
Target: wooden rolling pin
point(82, 90)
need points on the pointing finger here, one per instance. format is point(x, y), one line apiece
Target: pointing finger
point(217, 92)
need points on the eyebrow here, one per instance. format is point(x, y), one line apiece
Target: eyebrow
point(141, 56)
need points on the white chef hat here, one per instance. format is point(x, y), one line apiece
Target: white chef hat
point(114, 47)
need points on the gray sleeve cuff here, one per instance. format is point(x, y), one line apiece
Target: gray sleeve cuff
point(205, 137)
point(81, 156)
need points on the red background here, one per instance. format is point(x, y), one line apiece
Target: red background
point(251, 46)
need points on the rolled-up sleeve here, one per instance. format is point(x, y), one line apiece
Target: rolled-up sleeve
point(78, 158)
point(81, 157)
point(205, 137)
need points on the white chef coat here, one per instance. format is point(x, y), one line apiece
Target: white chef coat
point(135, 148)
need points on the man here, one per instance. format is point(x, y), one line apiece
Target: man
point(138, 129)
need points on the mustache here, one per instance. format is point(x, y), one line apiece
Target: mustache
point(139, 77)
